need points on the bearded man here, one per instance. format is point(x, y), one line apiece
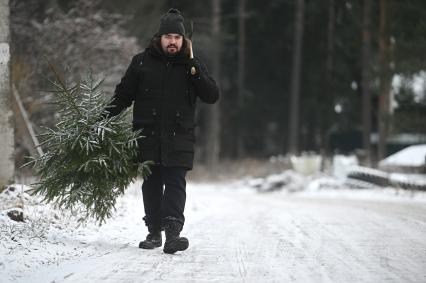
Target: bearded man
point(164, 83)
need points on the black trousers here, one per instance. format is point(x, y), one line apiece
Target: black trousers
point(164, 195)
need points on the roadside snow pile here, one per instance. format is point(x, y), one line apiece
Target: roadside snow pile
point(412, 156)
point(33, 232)
point(384, 179)
point(342, 165)
point(359, 178)
point(47, 235)
point(369, 175)
point(409, 181)
point(291, 181)
point(398, 177)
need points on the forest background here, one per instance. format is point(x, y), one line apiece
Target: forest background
point(295, 76)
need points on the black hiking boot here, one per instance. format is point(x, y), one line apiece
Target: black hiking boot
point(174, 242)
point(153, 239)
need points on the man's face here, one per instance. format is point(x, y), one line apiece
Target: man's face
point(171, 43)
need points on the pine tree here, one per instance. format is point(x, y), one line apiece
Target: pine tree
point(89, 158)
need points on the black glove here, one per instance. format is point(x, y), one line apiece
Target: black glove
point(193, 67)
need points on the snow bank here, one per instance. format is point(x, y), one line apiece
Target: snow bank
point(342, 165)
point(323, 185)
point(412, 156)
point(51, 236)
point(291, 181)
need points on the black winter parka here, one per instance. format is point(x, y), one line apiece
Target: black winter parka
point(164, 96)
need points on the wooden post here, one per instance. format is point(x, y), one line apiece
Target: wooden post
point(7, 162)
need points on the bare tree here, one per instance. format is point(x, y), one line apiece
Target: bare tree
point(213, 126)
point(82, 38)
point(85, 36)
point(385, 78)
point(295, 81)
point(366, 77)
point(7, 166)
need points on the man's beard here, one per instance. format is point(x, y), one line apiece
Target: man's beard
point(171, 54)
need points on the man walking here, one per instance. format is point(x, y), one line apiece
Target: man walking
point(163, 83)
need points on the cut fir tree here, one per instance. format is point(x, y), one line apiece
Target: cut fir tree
point(90, 158)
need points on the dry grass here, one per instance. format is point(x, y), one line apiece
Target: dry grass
point(237, 169)
point(226, 170)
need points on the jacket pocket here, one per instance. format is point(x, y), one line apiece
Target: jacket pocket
point(185, 128)
point(182, 144)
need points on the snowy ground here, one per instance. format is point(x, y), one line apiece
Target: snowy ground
point(316, 231)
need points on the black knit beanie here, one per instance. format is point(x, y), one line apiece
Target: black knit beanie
point(171, 22)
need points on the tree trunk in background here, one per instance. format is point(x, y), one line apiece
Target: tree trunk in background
point(295, 81)
point(385, 79)
point(329, 76)
point(7, 162)
point(241, 71)
point(213, 126)
point(366, 77)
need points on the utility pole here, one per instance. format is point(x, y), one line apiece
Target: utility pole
point(7, 162)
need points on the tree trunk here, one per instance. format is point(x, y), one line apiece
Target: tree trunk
point(295, 81)
point(366, 77)
point(213, 129)
point(241, 70)
point(385, 79)
point(325, 113)
point(7, 162)
point(25, 133)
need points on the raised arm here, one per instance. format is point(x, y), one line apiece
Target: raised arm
point(205, 87)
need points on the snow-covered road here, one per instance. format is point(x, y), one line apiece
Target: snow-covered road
point(243, 236)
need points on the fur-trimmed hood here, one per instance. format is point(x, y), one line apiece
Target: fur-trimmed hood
point(154, 47)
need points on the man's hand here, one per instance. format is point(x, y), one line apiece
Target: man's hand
point(194, 68)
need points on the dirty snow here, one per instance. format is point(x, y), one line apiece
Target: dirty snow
point(312, 229)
